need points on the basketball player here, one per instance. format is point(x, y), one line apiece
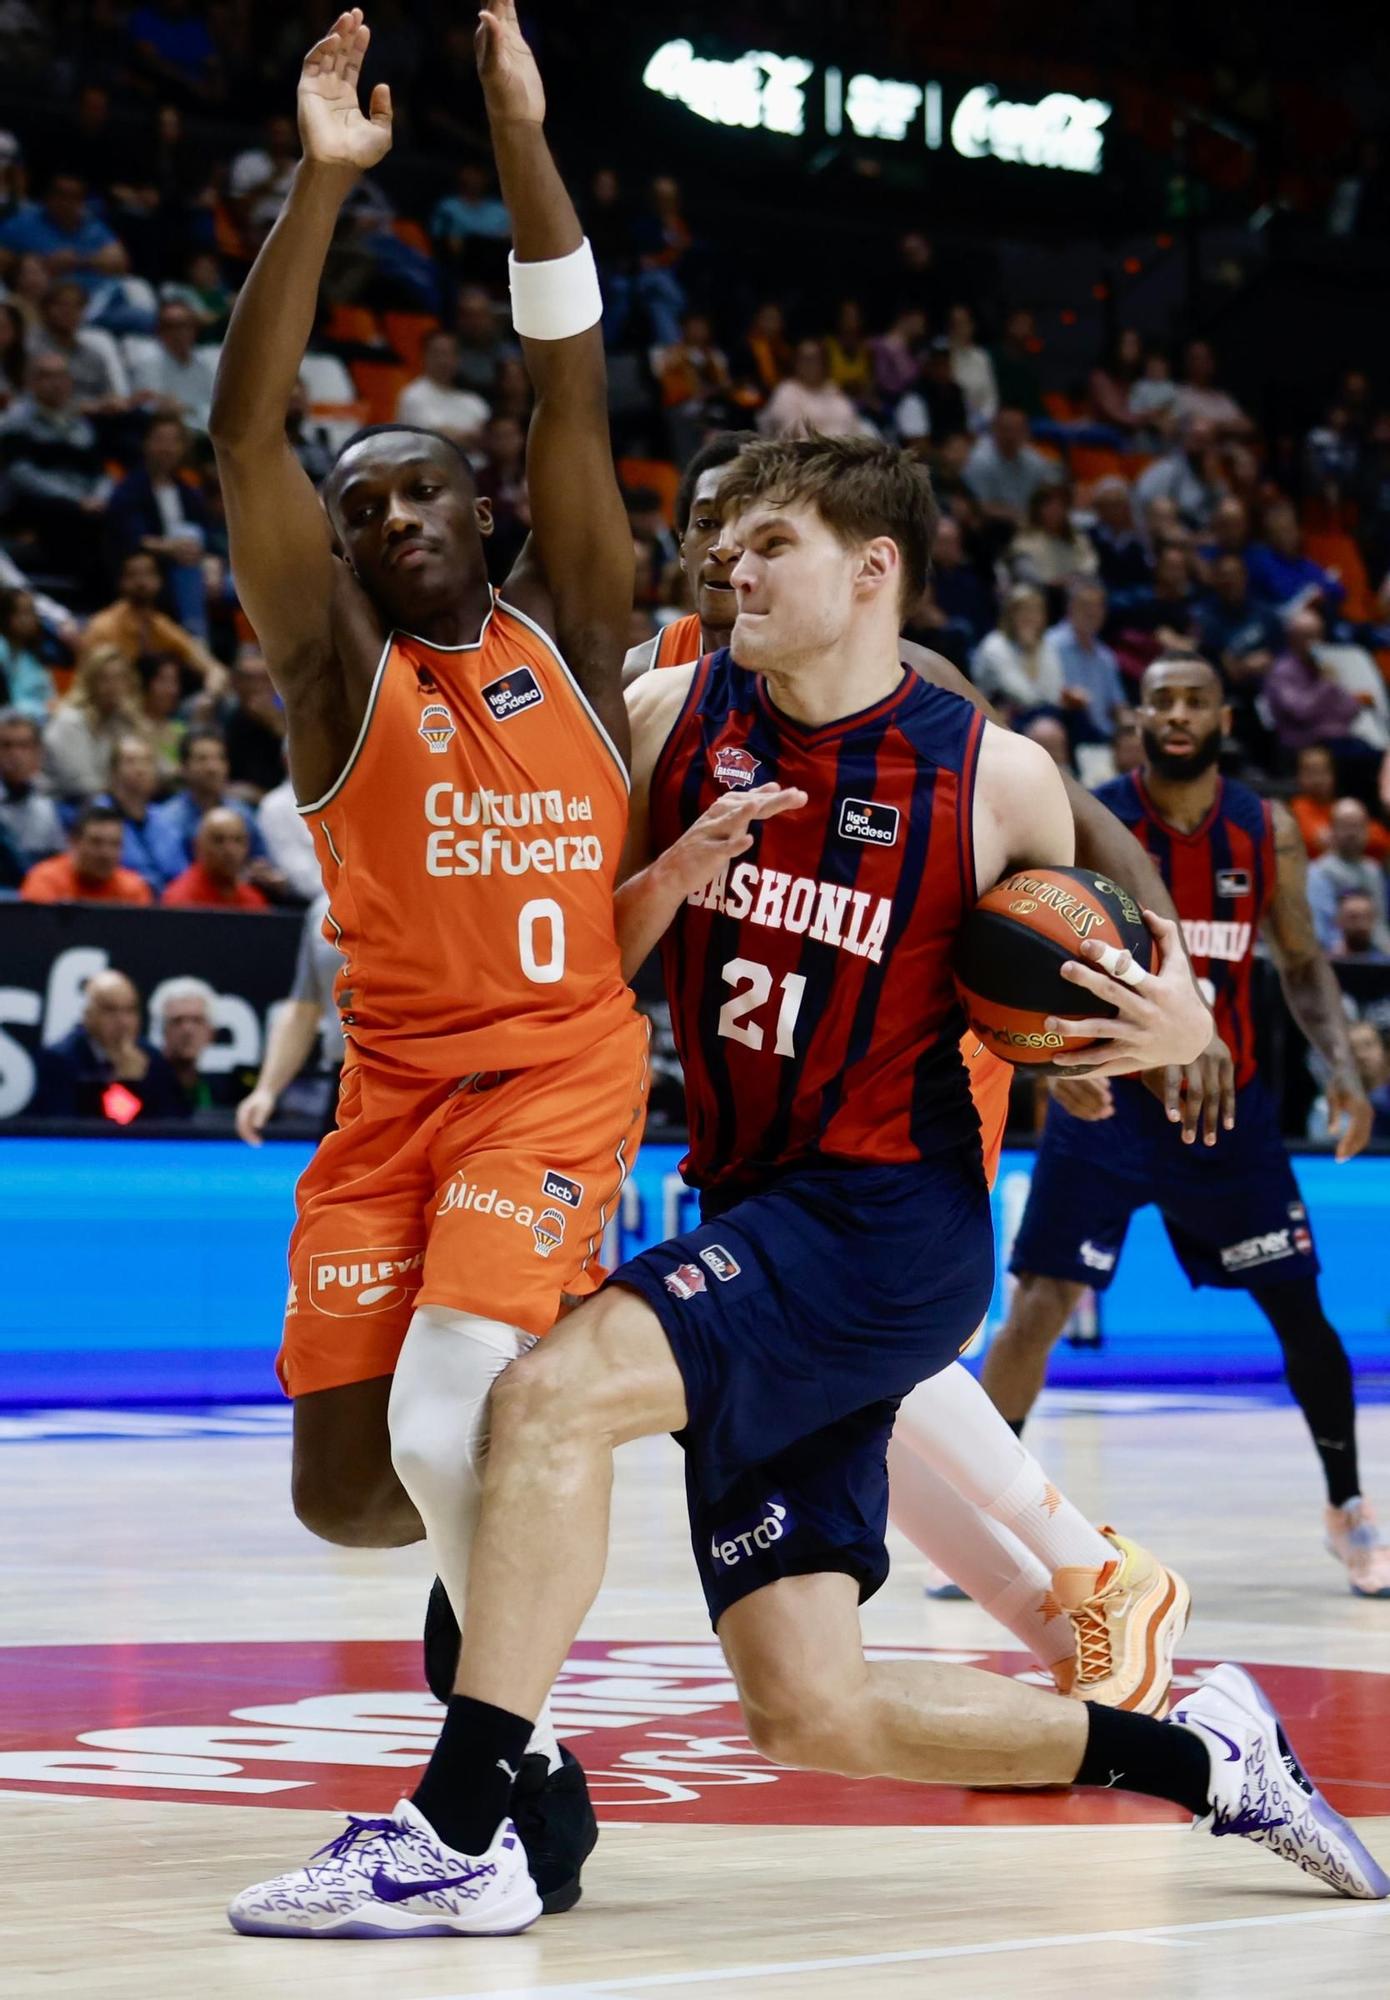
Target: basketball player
point(459, 756)
point(830, 1112)
point(981, 1509)
point(1235, 864)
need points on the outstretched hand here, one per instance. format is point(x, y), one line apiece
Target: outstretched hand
point(506, 67)
point(332, 127)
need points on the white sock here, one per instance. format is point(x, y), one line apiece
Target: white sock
point(438, 1423)
point(950, 1422)
point(983, 1558)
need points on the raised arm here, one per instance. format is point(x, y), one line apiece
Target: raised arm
point(1310, 986)
point(286, 575)
point(575, 575)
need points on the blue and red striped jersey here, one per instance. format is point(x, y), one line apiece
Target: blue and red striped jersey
point(810, 983)
point(1221, 876)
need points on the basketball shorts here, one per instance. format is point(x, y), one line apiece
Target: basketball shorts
point(488, 1194)
point(1233, 1212)
point(798, 1317)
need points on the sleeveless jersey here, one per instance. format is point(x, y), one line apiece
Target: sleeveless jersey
point(810, 984)
point(1221, 876)
point(678, 643)
point(469, 852)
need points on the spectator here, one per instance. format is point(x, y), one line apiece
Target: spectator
point(661, 236)
point(175, 52)
point(767, 353)
point(1346, 868)
point(27, 813)
point(972, 369)
point(28, 286)
point(1123, 565)
point(1282, 575)
point(145, 846)
point(134, 626)
point(204, 771)
point(1127, 748)
point(216, 878)
point(1016, 665)
point(1051, 732)
point(14, 352)
point(254, 728)
point(104, 1068)
point(184, 1021)
point(309, 441)
point(1004, 471)
point(849, 356)
point(809, 402)
point(288, 841)
point(56, 474)
point(174, 375)
point(99, 384)
point(28, 680)
point(1199, 400)
point(433, 400)
point(1161, 523)
point(470, 227)
point(1188, 475)
point(1373, 1067)
point(695, 383)
point(897, 356)
point(156, 509)
point(1237, 632)
point(203, 289)
point(482, 345)
point(501, 479)
point(65, 233)
point(259, 179)
point(101, 707)
point(914, 280)
point(1307, 703)
point(1017, 376)
point(1229, 532)
point(1050, 551)
point(165, 684)
point(309, 1015)
point(1090, 671)
point(1112, 383)
point(1312, 806)
point(1360, 936)
point(936, 408)
point(90, 871)
point(962, 594)
point(1372, 495)
point(1166, 615)
point(511, 397)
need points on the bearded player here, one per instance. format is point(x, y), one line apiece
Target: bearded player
point(1235, 866)
point(459, 755)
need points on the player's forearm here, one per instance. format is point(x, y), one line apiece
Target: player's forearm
point(1314, 999)
point(543, 218)
point(643, 911)
point(1108, 847)
point(291, 1039)
point(274, 314)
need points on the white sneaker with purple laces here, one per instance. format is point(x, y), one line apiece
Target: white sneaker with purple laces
point(395, 1878)
point(1261, 1791)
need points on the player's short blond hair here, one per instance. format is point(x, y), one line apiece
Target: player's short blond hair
point(859, 486)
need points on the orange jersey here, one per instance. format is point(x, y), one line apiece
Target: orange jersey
point(679, 643)
point(469, 852)
point(990, 1081)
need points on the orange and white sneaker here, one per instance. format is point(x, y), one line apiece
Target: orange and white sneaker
point(1128, 1616)
point(1355, 1539)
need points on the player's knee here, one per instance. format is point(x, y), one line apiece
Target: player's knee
point(794, 1728)
point(353, 1513)
point(541, 1396)
point(1041, 1308)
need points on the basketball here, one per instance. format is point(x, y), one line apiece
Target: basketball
point(1015, 942)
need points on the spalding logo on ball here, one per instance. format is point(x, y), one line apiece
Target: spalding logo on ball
point(1016, 940)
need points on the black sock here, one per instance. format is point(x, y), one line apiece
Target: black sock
point(467, 1785)
point(1319, 1375)
point(1136, 1754)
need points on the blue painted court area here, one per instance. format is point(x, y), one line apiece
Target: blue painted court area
point(152, 1272)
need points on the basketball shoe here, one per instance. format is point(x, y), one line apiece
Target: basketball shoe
point(395, 1878)
point(941, 1586)
point(1261, 1791)
point(1354, 1538)
point(554, 1818)
point(1128, 1616)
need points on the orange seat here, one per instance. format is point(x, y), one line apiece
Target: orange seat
point(1062, 409)
point(379, 383)
point(407, 333)
point(1091, 462)
point(663, 478)
point(413, 236)
point(62, 678)
point(1340, 552)
point(353, 323)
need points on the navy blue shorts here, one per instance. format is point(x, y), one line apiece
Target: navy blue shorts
point(798, 1317)
point(1233, 1212)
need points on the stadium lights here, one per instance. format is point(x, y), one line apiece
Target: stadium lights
point(767, 91)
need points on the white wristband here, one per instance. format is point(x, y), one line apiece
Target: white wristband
point(556, 299)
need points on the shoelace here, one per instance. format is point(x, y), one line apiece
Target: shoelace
point(1094, 1657)
point(357, 1828)
point(1246, 1820)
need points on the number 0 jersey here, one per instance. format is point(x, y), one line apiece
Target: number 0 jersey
point(810, 984)
point(1221, 876)
point(469, 852)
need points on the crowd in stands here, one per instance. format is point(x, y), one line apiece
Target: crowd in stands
point(1088, 525)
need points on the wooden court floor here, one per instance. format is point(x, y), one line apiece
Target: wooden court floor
point(192, 1690)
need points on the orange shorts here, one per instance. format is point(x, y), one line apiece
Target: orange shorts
point(489, 1195)
point(990, 1083)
